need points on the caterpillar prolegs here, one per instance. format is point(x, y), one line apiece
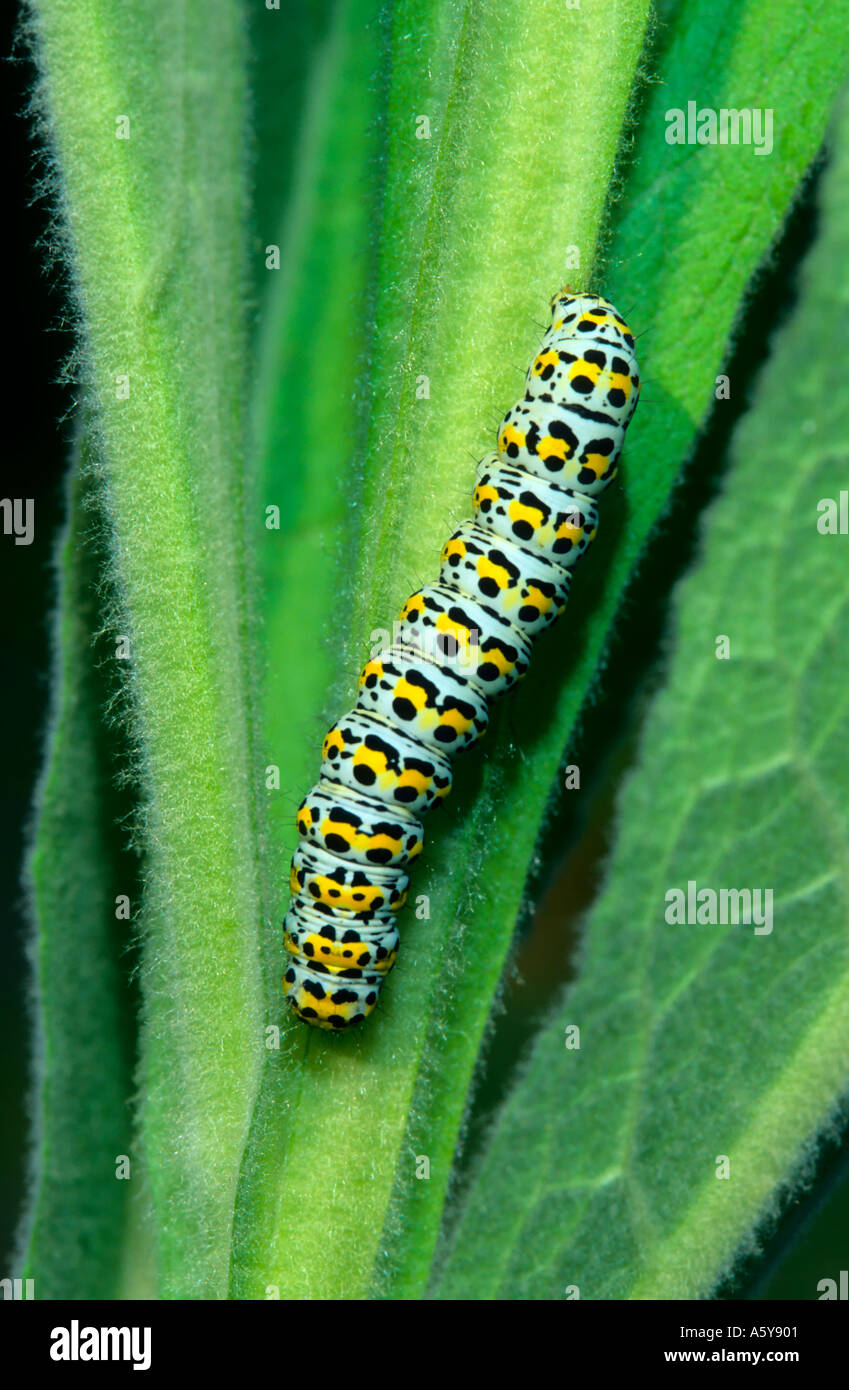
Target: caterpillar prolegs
point(504, 578)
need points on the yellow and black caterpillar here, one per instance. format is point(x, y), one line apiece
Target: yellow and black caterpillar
point(505, 577)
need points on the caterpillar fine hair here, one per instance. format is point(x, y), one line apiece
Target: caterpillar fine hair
point(505, 577)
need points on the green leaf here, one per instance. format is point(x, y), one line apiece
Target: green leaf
point(281, 76)
point(684, 311)
point(702, 1041)
point(448, 238)
point(146, 122)
point(75, 1227)
point(319, 1216)
point(314, 315)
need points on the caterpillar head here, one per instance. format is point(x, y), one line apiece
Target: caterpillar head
point(589, 316)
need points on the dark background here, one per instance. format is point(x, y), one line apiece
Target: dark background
point(809, 1242)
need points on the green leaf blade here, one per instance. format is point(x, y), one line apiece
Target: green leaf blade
point(78, 1208)
point(699, 1042)
point(344, 1140)
point(151, 192)
point(476, 875)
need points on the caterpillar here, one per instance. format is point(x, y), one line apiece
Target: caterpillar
point(504, 578)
